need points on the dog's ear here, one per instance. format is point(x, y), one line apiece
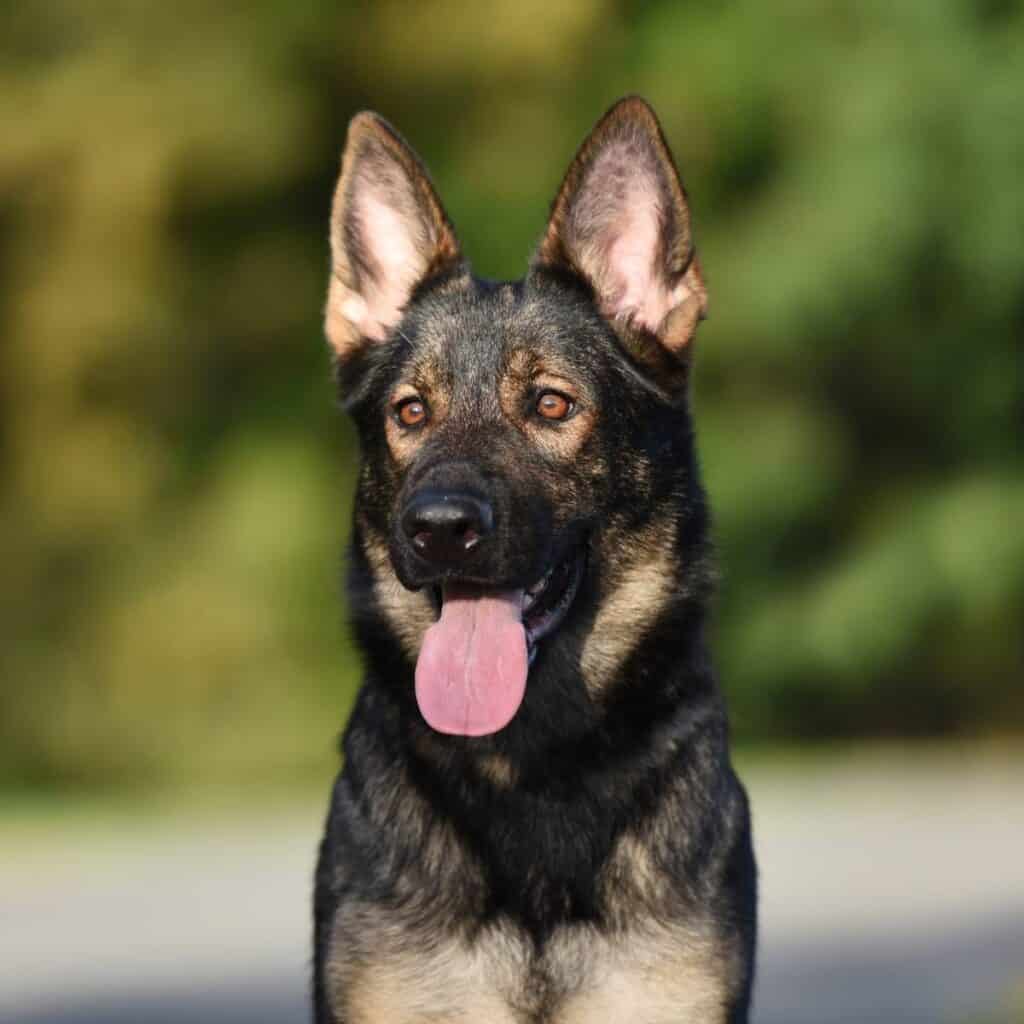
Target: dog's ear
point(389, 233)
point(621, 222)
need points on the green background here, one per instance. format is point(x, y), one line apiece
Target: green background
point(175, 479)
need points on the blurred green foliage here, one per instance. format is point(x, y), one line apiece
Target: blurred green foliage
point(175, 481)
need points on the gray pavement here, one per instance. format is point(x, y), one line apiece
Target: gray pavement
point(892, 891)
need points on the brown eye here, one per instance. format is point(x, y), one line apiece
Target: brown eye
point(412, 412)
point(553, 406)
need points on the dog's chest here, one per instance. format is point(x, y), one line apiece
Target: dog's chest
point(657, 975)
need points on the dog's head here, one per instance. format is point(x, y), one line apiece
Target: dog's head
point(515, 436)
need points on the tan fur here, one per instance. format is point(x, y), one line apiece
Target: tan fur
point(414, 961)
point(521, 365)
point(409, 613)
point(637, 592)
point(658, 975)
point(427, 384)
point(652, 974)
point(447, 985)
point(562, 441)
point(526, 371)
point(631, 879)
point(497, 769)
point(388, 973)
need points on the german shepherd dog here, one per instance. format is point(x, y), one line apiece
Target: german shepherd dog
point(537, 819)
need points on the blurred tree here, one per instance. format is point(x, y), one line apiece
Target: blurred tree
point(174, 482)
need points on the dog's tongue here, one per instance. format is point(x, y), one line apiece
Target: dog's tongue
point(471, 672)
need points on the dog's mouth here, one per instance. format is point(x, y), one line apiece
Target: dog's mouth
point(472, 668)
point(546, 603)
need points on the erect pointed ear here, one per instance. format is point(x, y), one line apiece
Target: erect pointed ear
point(621, 222)
point(389, 233)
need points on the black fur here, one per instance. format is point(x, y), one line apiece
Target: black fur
point(421, 834)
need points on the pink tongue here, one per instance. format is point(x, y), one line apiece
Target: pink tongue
point(471, 672)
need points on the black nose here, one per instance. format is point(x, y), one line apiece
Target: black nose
point(446, 527)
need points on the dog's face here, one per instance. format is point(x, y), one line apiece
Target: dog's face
point(509, 430)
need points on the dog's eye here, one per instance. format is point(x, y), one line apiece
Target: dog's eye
point(553, 405)
point(412, 412)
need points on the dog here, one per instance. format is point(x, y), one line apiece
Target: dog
point(537, 819)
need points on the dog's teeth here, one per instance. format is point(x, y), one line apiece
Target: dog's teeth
point(531, 593)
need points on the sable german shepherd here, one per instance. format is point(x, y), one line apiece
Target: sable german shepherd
point(537, 819)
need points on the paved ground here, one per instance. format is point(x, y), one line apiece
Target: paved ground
point(893, 891)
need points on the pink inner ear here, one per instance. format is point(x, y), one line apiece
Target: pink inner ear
point(619, 220)
point(393, 246)
point(637, 291)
